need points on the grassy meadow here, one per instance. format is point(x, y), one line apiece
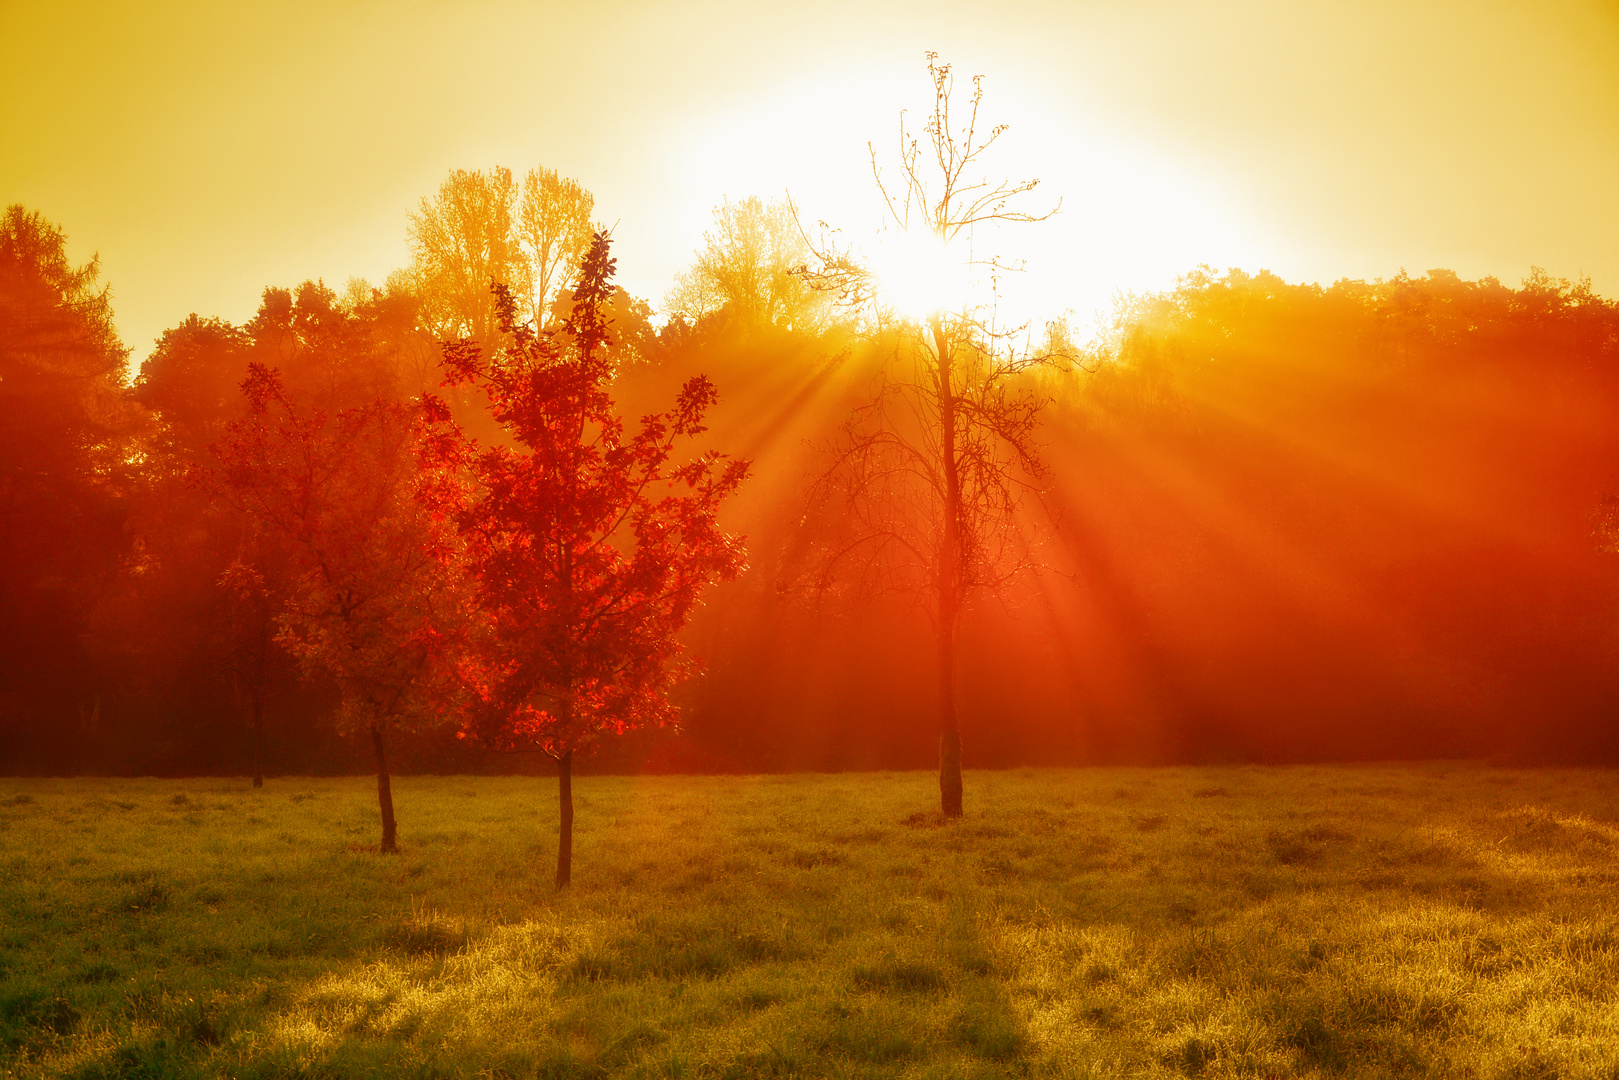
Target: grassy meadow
point(1429, 920)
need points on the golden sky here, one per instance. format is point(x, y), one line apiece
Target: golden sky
point(207, 150)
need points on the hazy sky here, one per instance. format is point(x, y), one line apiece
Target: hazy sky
point(208, 150)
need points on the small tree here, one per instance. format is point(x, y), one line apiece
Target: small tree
point(373, 597)
point(588, 545)
point(927, 479)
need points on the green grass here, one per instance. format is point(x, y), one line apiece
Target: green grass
point(1443, 920)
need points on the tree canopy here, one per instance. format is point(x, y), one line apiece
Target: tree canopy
point(749, 268)
point(486, 226)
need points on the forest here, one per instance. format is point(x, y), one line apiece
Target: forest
point(1248, 520)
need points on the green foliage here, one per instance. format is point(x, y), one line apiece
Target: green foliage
point(1454, 920)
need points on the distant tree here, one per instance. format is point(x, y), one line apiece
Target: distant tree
point(461, 240)
point(629, 316)
point(553, 229)
point(588, 545)
point(332, 352)
point(64, 431)
point(748, 266)
point(483, 227)
point(927, 479)
point(184, 644)
point(331, 355)
point(392, 317)
point(373, 597)
point(62, 367)
point(191, 386)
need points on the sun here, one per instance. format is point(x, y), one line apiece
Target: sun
point(918, 275)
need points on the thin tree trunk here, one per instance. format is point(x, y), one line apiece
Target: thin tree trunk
point(385, 795)
point(565, 819)
point(949, 731)
point(949, 585)
point(261, 661)
point(570, 604)
point(258, 738)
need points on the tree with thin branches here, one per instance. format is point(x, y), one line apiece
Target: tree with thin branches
point(374, 599)
point(926, 484)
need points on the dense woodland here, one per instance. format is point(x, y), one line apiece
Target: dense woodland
point(1270, 521)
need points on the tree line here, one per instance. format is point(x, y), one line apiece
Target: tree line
point(1251, 520)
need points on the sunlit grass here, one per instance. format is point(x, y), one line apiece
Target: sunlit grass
point(1433, 920)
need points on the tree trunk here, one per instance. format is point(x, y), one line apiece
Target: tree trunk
point(949, 732)
point(261, 660)
point(385, 795)
point(565, 819)
point(949, 584)
point(258, 738)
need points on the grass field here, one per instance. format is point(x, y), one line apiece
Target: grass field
point(1435, 920)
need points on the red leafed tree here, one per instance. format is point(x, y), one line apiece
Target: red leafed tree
point(374, 598)
point(588, 544)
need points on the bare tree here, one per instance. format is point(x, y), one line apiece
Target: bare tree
point(928, 479)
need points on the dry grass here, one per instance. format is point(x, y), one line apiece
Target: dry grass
point(1443, 920)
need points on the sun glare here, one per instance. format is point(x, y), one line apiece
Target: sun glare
point(918, 275)
point(1133, 216)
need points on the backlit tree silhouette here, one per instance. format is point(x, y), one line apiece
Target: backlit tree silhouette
point(373, 601)
point(589, 544)
point(927, 479)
